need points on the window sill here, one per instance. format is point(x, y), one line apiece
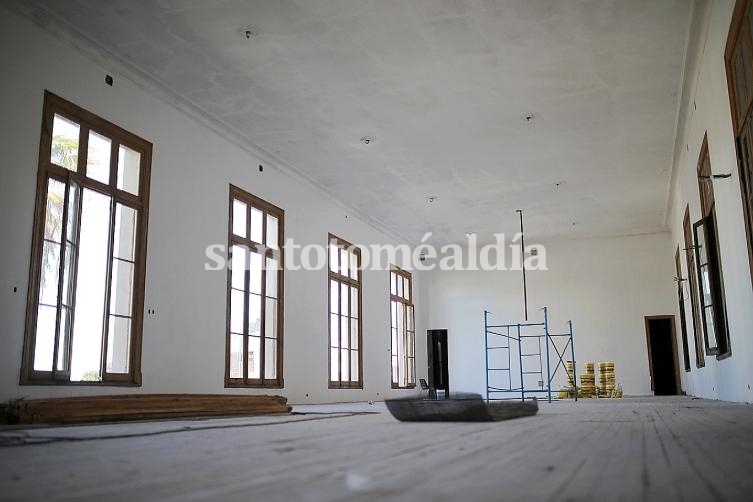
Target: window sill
point(254, 385)
point(62, 383)
point(405, 387)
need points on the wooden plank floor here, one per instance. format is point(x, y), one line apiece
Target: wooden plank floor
point(629, 449)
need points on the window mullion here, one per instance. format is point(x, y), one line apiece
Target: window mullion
point(108, 292)
point(61, 279)
point(74, 273)
point(403, 357)
point(83, 149)
point(263, 303)
point(246, 292)
point(347, 335)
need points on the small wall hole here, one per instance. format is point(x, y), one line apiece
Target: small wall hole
point(108, 80)
point(261, 168)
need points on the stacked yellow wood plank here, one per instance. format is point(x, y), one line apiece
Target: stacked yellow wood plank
point(68, 410)
point(606, 379)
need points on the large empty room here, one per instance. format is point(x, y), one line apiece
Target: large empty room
point(417, 250)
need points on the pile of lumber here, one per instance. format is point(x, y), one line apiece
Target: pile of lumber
point(72, 410)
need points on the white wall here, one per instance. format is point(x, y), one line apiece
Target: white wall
point(183, 345)
point(728, 379)
point(605, 286)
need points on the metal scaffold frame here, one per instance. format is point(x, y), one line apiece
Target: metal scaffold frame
point(511, 337)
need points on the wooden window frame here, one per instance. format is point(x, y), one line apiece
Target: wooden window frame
point(700, 360)
point(87, 121)
point(681, 304)
point(334, 275)
point(266, 208)
point(406, 304)
point(741, 34)
point(722, 349)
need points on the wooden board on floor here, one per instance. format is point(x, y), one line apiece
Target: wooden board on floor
point(69, 410)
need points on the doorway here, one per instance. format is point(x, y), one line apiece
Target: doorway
point(662, 355)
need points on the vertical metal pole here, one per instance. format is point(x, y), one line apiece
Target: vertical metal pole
point(572, 356)
point(523, 264)
point(509, 360)
point(486, 351)
point(548, 369)
point(520, 358)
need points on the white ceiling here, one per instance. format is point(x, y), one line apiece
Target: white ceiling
point(442, 87)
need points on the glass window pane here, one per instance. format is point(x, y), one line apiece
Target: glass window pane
point(344, 330)
point(354, 302)
point(393, 313)
point(353, 266)
point(48, 285)
point(344, 297)
point(64, 339)
point(393, 283)
point(121, 288)
point(272, 274)
point(334, 334)
point(334, 365)
point(44, 344)
point(410, 318)
point(270, 358)
point(90, 286)
point(236, 311)
point(74, 194)
point(118, 344)
point(53, 219)
point(240, 213)
point(236, 356)
point(256, 225)
point(238, 267)
point(395, 369)
point(344, 366)
point(98, 158)
point(124, 243)
point(334, 296)
point(406, 288)
point(65, 136)
point(706, 285)
point(399, 286)
point(68, 289)
point(710, 331)
point(354, 334)
point(270, 318)
point(354, 369)
point(344, 262)
point(254, 315)
point(333, 257)
point(129, 166)
point(254, 273)
point(272, 232)
point(254, 357)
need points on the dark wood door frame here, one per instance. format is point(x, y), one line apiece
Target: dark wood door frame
point(675, 360)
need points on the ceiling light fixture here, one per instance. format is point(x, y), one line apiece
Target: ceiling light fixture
point(248, 32)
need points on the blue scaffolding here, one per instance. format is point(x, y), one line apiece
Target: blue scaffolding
point(524, 345)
